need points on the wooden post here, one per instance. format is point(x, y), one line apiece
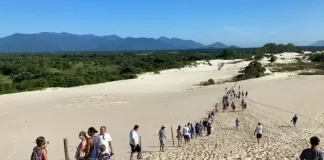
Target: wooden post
point(66, 150)
point(172, 135)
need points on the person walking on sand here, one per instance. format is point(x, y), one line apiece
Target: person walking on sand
point(233, 106)
point(179, 135)
point(294, 120)
point(201, 128)
point(105, 139)
point(197, 129)
point(237, 123)
point(93, 144)
point(258, 131)
point(40, 152)
point(134, 143)
point(205, 124)
point(186, 134)
point(80, 152)
point(209, 127)
point(162, 138)
point(246, 93)
point(312, 153)
point(192, 131)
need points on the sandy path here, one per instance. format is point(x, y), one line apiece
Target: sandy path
point(280, 139)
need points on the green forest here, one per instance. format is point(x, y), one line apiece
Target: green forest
point(33, 71)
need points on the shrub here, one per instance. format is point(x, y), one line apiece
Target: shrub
point(254, 70)
point(273, 58)
point(312, 73)
point(317, 57)
point(207, 83)
point(259, 56)
point(209, 63)
point(220, 65)
point(211, 81)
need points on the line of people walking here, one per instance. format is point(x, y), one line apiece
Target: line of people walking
point(190, 131)
point(95, 146)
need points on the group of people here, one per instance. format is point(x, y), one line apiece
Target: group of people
point(95, 146)
point(190, 131)
point(232, 94)
point(92, 146)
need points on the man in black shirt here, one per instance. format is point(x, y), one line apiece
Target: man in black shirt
point(294, 120)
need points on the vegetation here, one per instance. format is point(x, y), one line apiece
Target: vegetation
point(318, 72)
point(209, 82)
point(299, 66)
point(273, 58)
point(254, 70)
point(29, 71)
point(278, 48)
point(316, 57)
point(26, 72)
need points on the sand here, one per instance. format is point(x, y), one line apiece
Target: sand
point(170, 99)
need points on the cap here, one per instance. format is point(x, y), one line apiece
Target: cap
point(162, 127)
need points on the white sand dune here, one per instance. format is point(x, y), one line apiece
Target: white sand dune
point(151, 101)
point(272, 103)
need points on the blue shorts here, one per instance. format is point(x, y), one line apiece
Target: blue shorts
point(237, 124)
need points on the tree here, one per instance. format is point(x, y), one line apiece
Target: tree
point(259, 56)
point(273, 58)
point(317, 57)
point(228, 54)
point(254, 70)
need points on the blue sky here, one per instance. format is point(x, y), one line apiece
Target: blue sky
point(245, 23)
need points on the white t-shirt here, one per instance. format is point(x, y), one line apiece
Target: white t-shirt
point(259, 129)
point(186, 131)
point(133, 135)
point(104, 139)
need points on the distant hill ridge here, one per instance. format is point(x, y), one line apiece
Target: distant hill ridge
point(318, 43)
point(52, 42)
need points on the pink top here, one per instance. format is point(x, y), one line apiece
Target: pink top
point(39, 152)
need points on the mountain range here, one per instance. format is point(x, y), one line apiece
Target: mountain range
point(318, 43)
point(52, 42)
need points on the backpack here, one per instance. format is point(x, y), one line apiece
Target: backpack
point(34, 155)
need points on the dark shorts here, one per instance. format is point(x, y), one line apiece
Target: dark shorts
point(161, 142)
point(259, 136)
point(186, 137)
point(136, 148)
